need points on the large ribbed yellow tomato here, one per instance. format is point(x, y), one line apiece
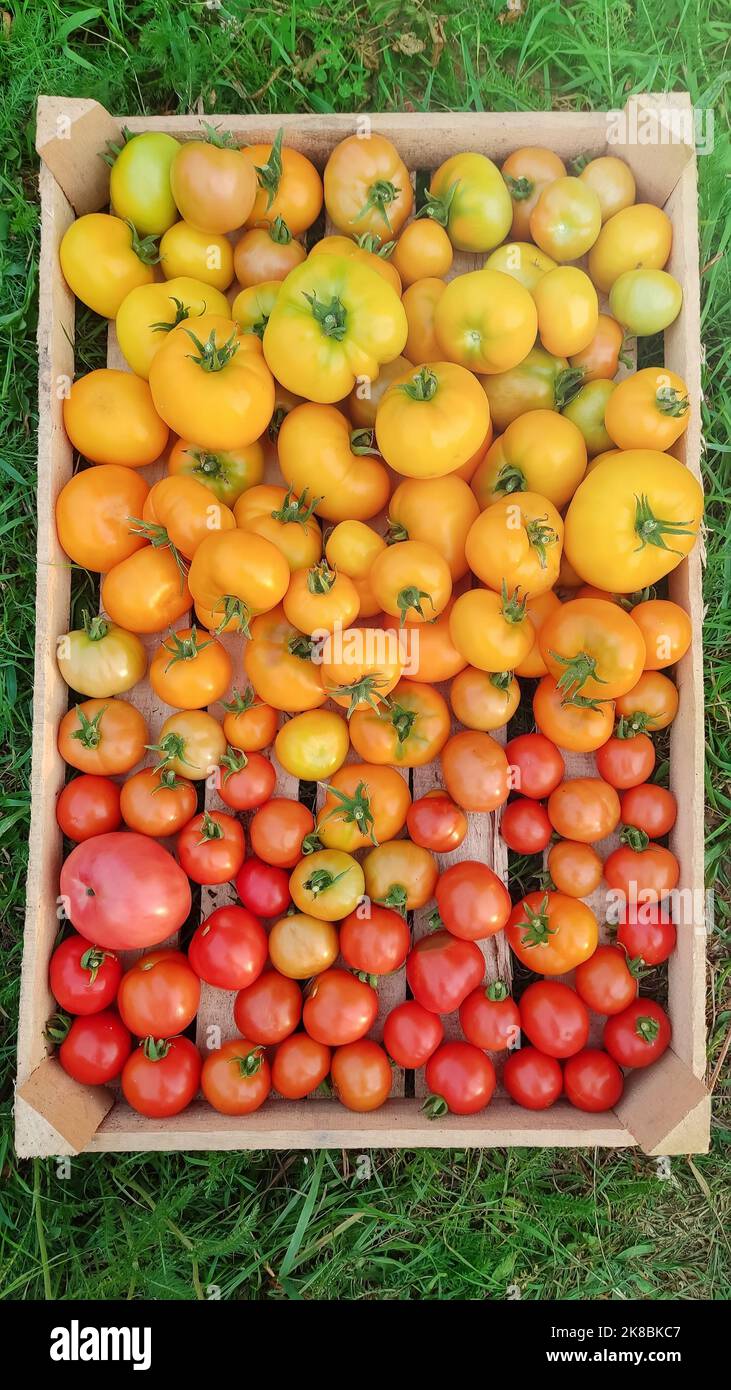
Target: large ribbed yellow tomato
point(320, 454)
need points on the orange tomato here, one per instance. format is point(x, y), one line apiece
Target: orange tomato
point(552, 933)
point(367, 186)
point(592, 648)
point(539, 452)
point(490, 630)
point(422, 251)
point(320, 455)
point(648, 410)
point(289, 186)
point(351, 549)
point(476, 772)
point(213, 185)
point(283, 519)
point(248, 723)
point(568, 310)
point(146, 592)
point(319, 599)
point(191, 744)
point(437, 511)
point(411, 579)
point(575, 869)
point(210, 383)
point(400, 875)
point(636, 238)
point(575, 723)
point(430, 655)
point(431, 421)
point(666, 629)
point(181, 512)
point(601, 358)
point(157, 802)
point(407, 730)
point(613, 182)
point(538, 608)
point(420, 302)
point(362, 666)
point(103, 736)
point(483, 701)
point(517, 542)
point(364, 805)
point(93, 510)
point(110, 417)
point(366, 249)
point(190, 669)
point(650, 705)
point(235, 574)
point(278, 662)
point(585, 809)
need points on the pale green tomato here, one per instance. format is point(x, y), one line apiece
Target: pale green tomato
point(645, 301)
point(101, 659)
point(587, 411)
point(139, 184)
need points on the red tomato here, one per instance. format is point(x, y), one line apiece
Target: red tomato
point(124, 891)
point(639, 1035)
point(436, 822)
point(592, 1080)
point(160, 1078)
point(229, 949)
point(247, 780)
point(473, 902)
point(442, 970)
point(89, 806)
point(461, 1080)
point(278, 829)
point(538, 765)
point(236, 1079)
point(644, 875)
point(532, 1079)
point(489, 1018)
point(376, 944)
point(606, 982)
point(411, 1034)
point(625, 762)
point(263, 888)
point(83, 978)
point(525, 826)
point(95, 1048)
point(649, 808)
point(339, 1008)
point(554, 1018)
point(300, 1065)
point(159, 995)
point(361, 1075)
point(269, 1010)
point(646, 931)
point(211, 847)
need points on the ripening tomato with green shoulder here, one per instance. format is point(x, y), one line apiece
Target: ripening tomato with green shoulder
point(635, 238)
point(422, 250)
point(210, 383)
point(420, 302)
point(191, 744)
point(431, 421)
point(320, 454)
point(226, 473)
point(552, 933)
point(103, 736)
point(110, 417)
point(364, 805)
point(253, 305)
point(351, 548)
point(156, 802)
point(147, 591)
point(267, 253)
point(278, 662)
point(205, 256)
point(666, 629)
point(367, 186)
point(467, 195)
point(527, 172)
point(437, 511)
point(327, 884)
point(103, 258)
point(407, 730)
point(486, 321)
point(540, 452)
point(568, 310)
point(646, 301)
point(313, 745)
point(411, 579)
point(585, 809)
point(100, 659)
point(149, 312)
point(632, 520)
point(566, 219)
point(522, 260)
point(213, 185)
point(575, 722)
point(139, 182)
point(484, 701)
point(516, 542)
point(536, 383)
point(648, 410)
point(289, 186)
point(592, 648)
point(601, 359)
point(491, 631)
point(651, 704)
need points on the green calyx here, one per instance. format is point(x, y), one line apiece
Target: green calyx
point(182, 311)
point(497, 991)
point(96, 628)
point(89, 732)
point(167, 780)
point(236, 611)
point(279, 232)
point(629, 725)
point(210, 829)
point(381, 195)
point(502, 680)
point(144, 247)
point(250, 1064)
point(234, 760)
point(540, 535)
point(295, 509)
point(439, 208)
point(434, 1107)
point(320, 578)
point(332, 318)
point(222, 139)
point(171, 749)
point(184, 648)
point(537, 927)
point(320, 880)
point(567, 385)
point(160, 540)
point(409, 598)
point(301, 647)
point(354, 809)
point(647, 1028)
point(93, 960)
point(155, 1049)
point(577, 670)
point(239, 704)
point(361, 692)
point(396, 898)
point(269, 175)
point(513, 607)
point(210, 356)
point(509, 479)
point(652, 530)
point(634, 838)
point(422, 387)
point(519, 189)
point(57, 1027)
point(363, 441)
point(669, 401)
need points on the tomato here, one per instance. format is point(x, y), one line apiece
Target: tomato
point(422, 250)
point(210, 383)
point(527, 172)
point(613, 182)
point(313, 745)
point(157, 802)
point(124, 891)
point(432, 420)
point(575, 868)
point(592, 648)
point(408, 730)
point(248, 724)
point(361, 667)
point(584, 809)
point(284, 519)
point(435, 822)
point(102, 736)
point(468, 196)
point(639, 1035)
point(110, 417)
point(319, 599)
point(525, 827)
point(600, 360)
point(650, 809)
point(320, 453)
point(95, 1048)
point(191, 744)
point(89, 806)
point(552, 933)
point(268, 1010)
point(625, 762)
point(147, 591)
point(204, 256)
point(566, 219)
point(420, 306)
point(651, 704)
point(435, 511)
point(568, 310)
point(574, 721)
point(432, 655)
point(351, 548)
point(540, 452)
point(252, 307)
point(267, 253)
point(533, 1080)
point(161, 1078)
point(190, 669)
point(637, 237)
point(666, 629)
point(411, 1034)
point(646, 931)
point(181, 513)
point(159, 995)
point(482, 701)
point(648, 410)
point(229, 948)
point(489, 1018)
point(400, 875)
point(491, 631)
point(213, 185)
point(460, 1078)
point(592, 1080)
point(517, 542)
point(536, 764)
point(248, 780)
point(374, 944)
point(334, 320)
point(587, 409)
point(92, 515)
point(364, 804)
point(235, 574)
point(646, 301)
point(236, 1079)
point(361, 1075)
point(301, 945)
point(139, 182)
point(642, 875)
point(442, 970)
point(149, 312)
point(263, 888)
point(554, 1018)
point(289, 186)
point(100, 659)
point(339, 1008)
point(536, 383)
point(300, 1065)
point(102, 259)
point(367, 186)
point(278, 662)
point(327, 884)
point(278, 830)
point(210, 848)
point(475, 771)
point(84, 979)
point(606, 982)
point(366, 250)
point(485, 321)
point(473, 902)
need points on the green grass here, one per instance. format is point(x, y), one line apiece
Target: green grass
point(426, 1224)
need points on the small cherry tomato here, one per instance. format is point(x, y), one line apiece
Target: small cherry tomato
point(377, 944)
point(160, 1077)
point(236, 1079)
point(435, 822)
point(525, 826)
point(554, 1018)
point(159, 995)
point(229, 949)
point(83, 978)
point(461, 1080)
point(490, 1018)
point(268, 1010)
point(263, 888)
point(575, 869)
point(592, 1080)
point(606, 982)
point(532, 1079)
point(361, 1075)
point(649, 808)
point(249, 724)
point(473, 902)
point(210, 848)
point(411, 1033)
point(646, 874)
point(626, 762)
point(639, 1035)
point(95, 1048)
point(536, 765)
point(89, 806)
point(300, 1065)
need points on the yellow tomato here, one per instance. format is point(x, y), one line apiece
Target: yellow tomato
point(205, 256)
point(351, 549)
point(319, 453)
point(537, 383)
point(191, 744)
point(313, 745)
point(541, 452)
point(517, 542)
point(420, 304)
point(468, 196)
point(364, 804)
point(483, 701)
point(400, 875)
point(100, 659)
point(637, 238)
point(431, 421)
point(566, 219)
point(366, 250)
point(149, 312)
point(525, 262)
point(411, 579)
point(486, 321)
point(302, 945)
point(491, 631)
point(110, 417)
point(278, 662)
point(252, 307)
point(102, 259)
point(210, 383)
point(648, 410)
point(284, 519)
point(568, 310)
point(612, 181)
point(438, 511)
point(422, 250)
point(235, 574)
point(319, 599)
point(327, 884)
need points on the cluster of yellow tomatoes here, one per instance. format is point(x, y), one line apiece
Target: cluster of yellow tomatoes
point(466, 498)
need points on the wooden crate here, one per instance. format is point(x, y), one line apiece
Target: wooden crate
point(664, 1110)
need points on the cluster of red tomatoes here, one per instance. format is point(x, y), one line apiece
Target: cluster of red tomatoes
point(465, 498)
